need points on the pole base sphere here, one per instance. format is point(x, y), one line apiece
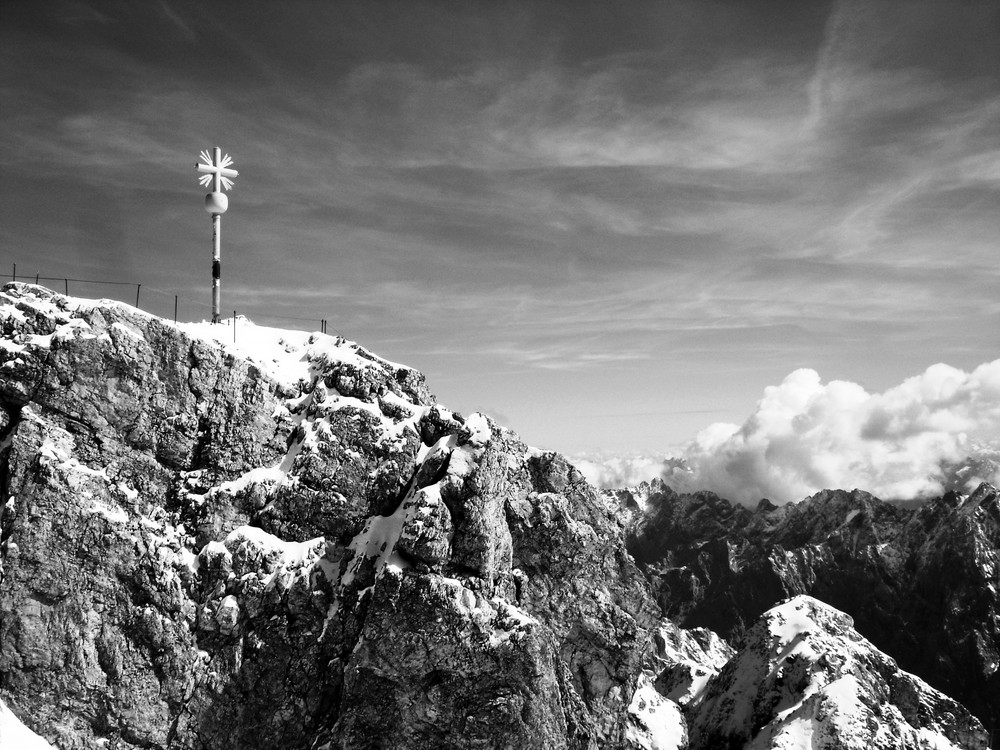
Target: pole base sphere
point(216, 203)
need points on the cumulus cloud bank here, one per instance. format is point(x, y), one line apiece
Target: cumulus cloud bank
point(913, 440)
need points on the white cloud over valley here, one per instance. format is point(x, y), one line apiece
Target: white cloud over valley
point(805, 435)
point(933, 432)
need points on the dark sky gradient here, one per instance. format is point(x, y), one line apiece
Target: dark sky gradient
point(607, 224)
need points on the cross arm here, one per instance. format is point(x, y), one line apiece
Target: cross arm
point(212, 169)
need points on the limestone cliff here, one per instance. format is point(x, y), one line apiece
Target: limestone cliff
point(285, 542)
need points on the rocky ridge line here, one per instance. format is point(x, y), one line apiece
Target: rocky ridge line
point(227, 547)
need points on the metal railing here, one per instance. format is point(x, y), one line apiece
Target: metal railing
point(163, 308)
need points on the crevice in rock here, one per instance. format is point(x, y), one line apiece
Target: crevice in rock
point(411, 559)
point(439, 473)
point(418, 480)
point(176, 720)
point(461, 570)
point(202, 444)
point(7, 510)
point(13, 414)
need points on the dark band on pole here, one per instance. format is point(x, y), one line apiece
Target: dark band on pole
point(216, 269)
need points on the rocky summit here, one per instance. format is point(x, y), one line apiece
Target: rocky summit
point(805, 678)
point(285, 542)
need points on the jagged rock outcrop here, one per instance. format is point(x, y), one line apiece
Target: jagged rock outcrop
point(685, 660)
point(674, 679)
point(805, 678)
point(921, 584)
point(286, 543)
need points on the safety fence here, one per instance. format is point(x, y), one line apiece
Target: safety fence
point(159, 302)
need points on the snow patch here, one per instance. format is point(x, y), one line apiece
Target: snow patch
point(790, 622)
point(288, 554)
point(214, 549)
point(377, 540)
point(128, 491)
point(396, 563)
point(655, 723)
point(287, 356)
point(115, 515)
point(260, 475)
point(128, 331)
point(13, 347)
point(15, 735)
point(479, 429)
point(463, 460)
point(56, 454)
point(520, 618)
point(795, 734)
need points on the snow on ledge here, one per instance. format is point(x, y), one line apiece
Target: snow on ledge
point(286, 355)
point(289, 554)
point(16, 736)
point(655, 722)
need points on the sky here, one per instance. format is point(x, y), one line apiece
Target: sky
point(610, 226)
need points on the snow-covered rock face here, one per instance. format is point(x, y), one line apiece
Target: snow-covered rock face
point(685, 660)
point(655, 722)
point(284, 542)
point(806, 679)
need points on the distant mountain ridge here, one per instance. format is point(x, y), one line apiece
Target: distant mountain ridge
point(287, 542)
point(920, 583)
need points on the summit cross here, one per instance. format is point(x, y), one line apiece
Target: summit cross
point(216, 172)
point(217, 167)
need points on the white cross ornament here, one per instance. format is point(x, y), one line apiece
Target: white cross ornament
point(217, 168)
